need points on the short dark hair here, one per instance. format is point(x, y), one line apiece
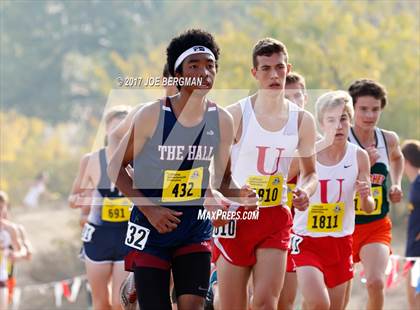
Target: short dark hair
point(165, 72)
point(186, 40)
point(411, 152)
point(367, 87)
point(294, 77)
point(267, 47)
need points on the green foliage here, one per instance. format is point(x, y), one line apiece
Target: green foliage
point(29, 146)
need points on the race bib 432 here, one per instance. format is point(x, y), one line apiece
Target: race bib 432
point(180, 186)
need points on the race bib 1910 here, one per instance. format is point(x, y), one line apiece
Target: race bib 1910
point(269, 189)
point(377, 196)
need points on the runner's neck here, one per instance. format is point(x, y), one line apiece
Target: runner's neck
point(412, 173)
point(269, 104)
point(365, 136)
point(190, 106)
point(333, 153)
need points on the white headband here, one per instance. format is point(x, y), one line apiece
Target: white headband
point(191, 51)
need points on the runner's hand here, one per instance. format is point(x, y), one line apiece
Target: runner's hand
point(373, 154)
point(73, 200)
point(163, 219)
point(363, 188)
point(249, 198)
point(300, 199)
point(395, 194)
point(219, 221)
point(214, 203)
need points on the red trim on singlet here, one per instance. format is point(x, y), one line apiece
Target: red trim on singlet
point(167, 102)
point(204, 246)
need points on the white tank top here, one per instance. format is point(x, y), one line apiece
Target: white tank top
point(5, 242)
point(380, 145)
point(262, 158)
point(331, 211)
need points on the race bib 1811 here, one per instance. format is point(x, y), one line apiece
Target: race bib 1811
point(326, 217)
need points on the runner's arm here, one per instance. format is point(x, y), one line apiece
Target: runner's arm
point(395, 157)
point(123, 127)
point(363, 186)
point(293, 170)
point(26, 244)
point(128, 148)
point(19, 250)
point(80, 187)
point(306, 154)
point(223, 181)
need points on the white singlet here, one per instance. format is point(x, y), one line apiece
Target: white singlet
point(331, 211)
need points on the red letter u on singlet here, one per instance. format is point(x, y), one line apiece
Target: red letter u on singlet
point(324, 189)
point(261, 160)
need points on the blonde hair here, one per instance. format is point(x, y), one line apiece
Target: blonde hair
point(4, 198)
point(118, 111)
point(333, 99)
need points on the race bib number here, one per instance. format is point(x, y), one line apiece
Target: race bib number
point(87, 232)
point(179, 186)
point(326, 217)
point(116, 209)
point(295, 240)
point(136, 236)
point(227, 231)
point(377, 196)
point(290, 188)
point(269, 189)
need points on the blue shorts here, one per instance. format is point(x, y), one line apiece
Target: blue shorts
point(107, 245)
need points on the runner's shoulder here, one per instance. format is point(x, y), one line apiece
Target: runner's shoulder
point(225, 120)
point(391, 137)
point(362, 154)
point(147, 117)
point(10, 227)
point(235, 110)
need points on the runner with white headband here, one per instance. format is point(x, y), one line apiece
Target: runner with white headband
point(192, 51)
point(171, 144)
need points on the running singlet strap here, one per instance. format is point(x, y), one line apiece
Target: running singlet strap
point(378, 176)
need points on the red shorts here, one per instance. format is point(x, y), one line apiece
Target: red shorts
point(291, 266)
point(379, 231)
point(271, 230)
point(332, 256)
